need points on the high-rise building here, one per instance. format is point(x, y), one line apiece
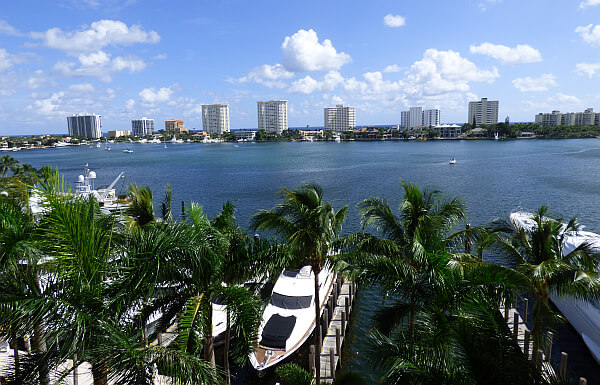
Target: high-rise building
point(88, 126)
point(483, 112)
point(142, 127)
point(416, 117)
point(339, 118)
point(215, 118)
point(272, 116)
point(175, 126)
point(431, 118)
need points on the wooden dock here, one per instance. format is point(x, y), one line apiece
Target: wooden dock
point(341, 301)
point(517, 323)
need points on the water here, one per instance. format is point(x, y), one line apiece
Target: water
point(492, 177)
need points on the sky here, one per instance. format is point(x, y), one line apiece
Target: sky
point(125, 59)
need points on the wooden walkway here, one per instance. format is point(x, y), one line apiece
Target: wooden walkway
point(333, 341)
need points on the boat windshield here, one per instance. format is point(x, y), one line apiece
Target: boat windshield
point(288, 302)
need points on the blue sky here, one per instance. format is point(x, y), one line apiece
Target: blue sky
point(126, 59)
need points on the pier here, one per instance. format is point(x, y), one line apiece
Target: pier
point(334, 330)
point(517, 323)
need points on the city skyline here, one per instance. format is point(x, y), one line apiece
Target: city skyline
point(125, 59)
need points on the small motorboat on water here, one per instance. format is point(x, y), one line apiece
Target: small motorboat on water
point(584, 316)
point(289, 318)
point(128, 150)
point(452, 161)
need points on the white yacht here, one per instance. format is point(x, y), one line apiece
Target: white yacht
point(289, 318)
point(582, 315)
point(128, 150)
point(452, 161)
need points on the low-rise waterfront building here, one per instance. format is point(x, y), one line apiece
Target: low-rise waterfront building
point(85, 125)
point(215, 118)
point(142, 127)
point(557, 118)
point(117, 133)
point(245, 135)
point(174, 126)
point(272, 116)
point(339, 118)
point(310, 135)
point(449, 130)
point(483, 112)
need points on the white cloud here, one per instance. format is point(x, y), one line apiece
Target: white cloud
point(566, 99)
point(50, 107)
point(150, 96)
point(392, 68)
point(8, 60)
point(308, 85)
point(99, 64)
point(130, 105)
point(522, 53)
point(590, 34)
point(82, 87)
point(589, 69)
point(394, 20)
point(7, 29)
point(442, 72)
point(162, 56)
point(268, 75)
point(302, 52)
point(97, 36)
point(528, 84)
point(589, 3)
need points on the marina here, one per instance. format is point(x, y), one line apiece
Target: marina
point(249, 176)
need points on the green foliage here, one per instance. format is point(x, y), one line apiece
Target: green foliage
point(293, 374)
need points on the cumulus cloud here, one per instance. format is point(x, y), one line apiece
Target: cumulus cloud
point(162, 56)
point(589, 3)
point(522, 53)
point(150, 96)
point(130, 105)
point(302, 52)
point(8, 60)
point(394, 21)
point(82, 87)
point(392, 68)
point(50, 107)
point(589, 69)
point(590, 34)
point(484, 5)
point(98, 35)
point(99, 64)
point(444, 71)
point(268, 75)
point(528, 84)
point(308, 85)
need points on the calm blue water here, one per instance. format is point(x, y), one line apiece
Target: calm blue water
point(493, 177)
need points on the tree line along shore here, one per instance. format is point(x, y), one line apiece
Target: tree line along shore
point(370, 133)
point(81, 285)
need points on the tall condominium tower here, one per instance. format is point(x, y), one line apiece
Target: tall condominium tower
point(215, 118)
point(483, 112)
point(142, 127)
point(431, 118)
point(339, 118)
point(272, 116)
point(88, 126)
point(175, 126)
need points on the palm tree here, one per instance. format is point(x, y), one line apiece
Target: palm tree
point(541, 257)
point(402, 260)
point(7, 163)
point(310, 226)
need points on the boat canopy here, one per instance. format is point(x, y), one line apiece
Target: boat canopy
point(277, 330)
point(289, 302)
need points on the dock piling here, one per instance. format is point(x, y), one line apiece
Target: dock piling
point(338, 342)
point(548, 346)
point(526, 343)
point(332, 363)
point(563, 365)
point(311, 359)
point(516, 324)
point(343, 323)
point(525, 308)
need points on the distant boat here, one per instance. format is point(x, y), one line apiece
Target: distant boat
point(496, 136)
point(452, 161)
point(107, 148)
point(128, 150)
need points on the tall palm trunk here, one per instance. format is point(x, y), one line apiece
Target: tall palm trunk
point(16, 354)
point(226, 350)
point(316, 270)
point(100, 373)
point(38, 346)
point(209, 347)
